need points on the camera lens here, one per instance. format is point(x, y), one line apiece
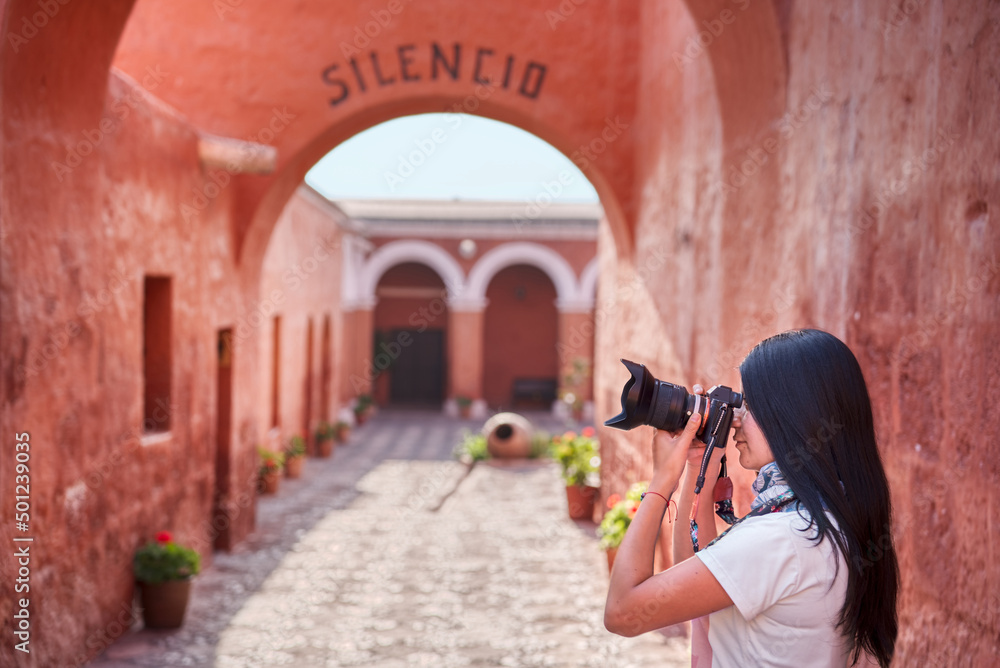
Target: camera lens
point(646, 400)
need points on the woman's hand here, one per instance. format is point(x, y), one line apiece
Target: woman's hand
point(670, 452)
point(697, 449)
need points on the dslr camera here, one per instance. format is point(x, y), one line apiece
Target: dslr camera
point(646, 400)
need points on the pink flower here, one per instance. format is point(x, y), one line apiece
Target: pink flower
point(589, 432)
point(164, 537)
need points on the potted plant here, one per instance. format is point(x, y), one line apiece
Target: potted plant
point(364, 407)
point(295, 453)
point(341, 431)
point(324, 438)
point(578, 456)
point(471, 449)
point(617, 519)
point(464, 404)
point(164, 570)
point(271, 464)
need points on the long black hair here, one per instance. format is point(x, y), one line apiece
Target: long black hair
point(806, 392)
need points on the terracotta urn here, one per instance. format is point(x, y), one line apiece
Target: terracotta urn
point(508, 436)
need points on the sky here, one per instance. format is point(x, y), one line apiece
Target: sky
point(448, 156)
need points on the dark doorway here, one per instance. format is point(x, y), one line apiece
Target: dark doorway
point(417, 374)
point(307, 392)
point(326, 370)
point(223, 438)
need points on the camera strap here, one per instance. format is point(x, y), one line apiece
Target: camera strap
point(722, 496)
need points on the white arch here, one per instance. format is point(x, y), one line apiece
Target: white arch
point(411, 250)
point(588, 280)
point(522, 252)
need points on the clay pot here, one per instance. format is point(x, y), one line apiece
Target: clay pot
point(269, 482)
point(580, 500)
point(508, 436)
point(343, 434)
point(293, 466)
point(324, 447)
point(611, 553)
point(164, 603)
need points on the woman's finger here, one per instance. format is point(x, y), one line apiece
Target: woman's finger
point(690, 429)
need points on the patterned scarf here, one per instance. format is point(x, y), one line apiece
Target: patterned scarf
point(773, 496)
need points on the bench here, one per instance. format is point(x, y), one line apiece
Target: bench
point(540, 392)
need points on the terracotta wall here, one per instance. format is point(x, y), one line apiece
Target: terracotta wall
point(863, 208)
point(520, 327)
point(78, 244)
point(101, 187)
point(776, 164)
point(300, 283)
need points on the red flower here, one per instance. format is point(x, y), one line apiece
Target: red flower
point(589, 432)
point(613, 500)
point(632, 511)
point(164, 537)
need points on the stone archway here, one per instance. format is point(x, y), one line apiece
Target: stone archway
point(366, 64)
point(522, 252)
point(360, 299)
point(411, 250)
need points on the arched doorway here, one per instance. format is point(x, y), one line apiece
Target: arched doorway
point(409, 342)
point(520, 363)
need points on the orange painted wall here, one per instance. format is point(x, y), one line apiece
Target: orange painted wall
point(301, 278)
point(520, 329)
point(75, 248)
point(860, 208)
point(814, 164)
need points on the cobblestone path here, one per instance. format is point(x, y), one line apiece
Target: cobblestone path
point(390, 555)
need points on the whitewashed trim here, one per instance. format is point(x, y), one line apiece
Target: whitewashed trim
point(411, 250)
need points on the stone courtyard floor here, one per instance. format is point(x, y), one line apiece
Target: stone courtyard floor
point(392, 554)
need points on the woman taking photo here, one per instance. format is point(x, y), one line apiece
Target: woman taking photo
point(809, 577)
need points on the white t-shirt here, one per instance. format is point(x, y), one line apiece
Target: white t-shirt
point(784, 610)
